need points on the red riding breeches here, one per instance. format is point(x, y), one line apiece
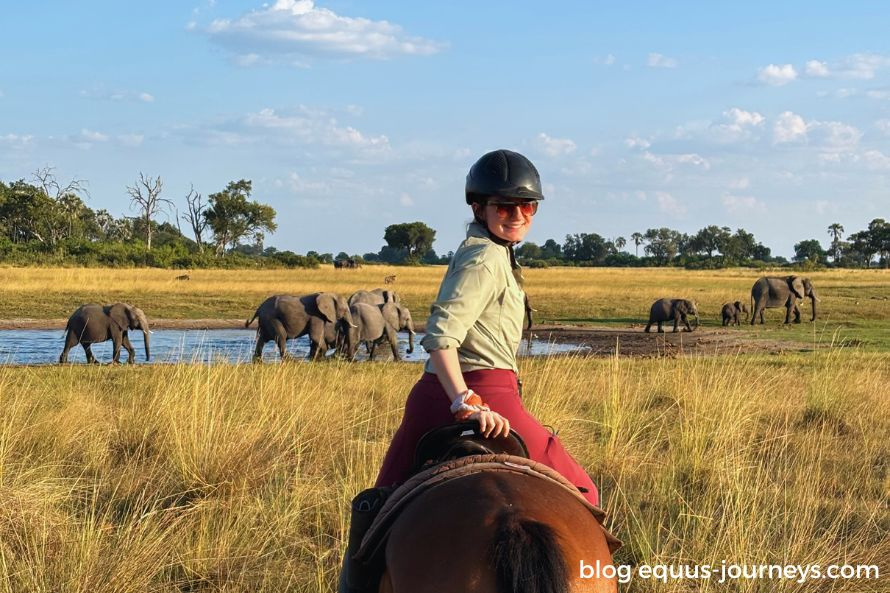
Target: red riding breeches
point(428, 408)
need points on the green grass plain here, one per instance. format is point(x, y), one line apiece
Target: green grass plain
point(176, 478)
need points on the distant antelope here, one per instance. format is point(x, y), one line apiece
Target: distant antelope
point(389, 279)
point(183, 277)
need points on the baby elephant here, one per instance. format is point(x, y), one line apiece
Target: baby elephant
point(99, 323)
point(732, 311)
point(676, 309)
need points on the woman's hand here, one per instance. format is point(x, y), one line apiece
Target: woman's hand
point(491, 424)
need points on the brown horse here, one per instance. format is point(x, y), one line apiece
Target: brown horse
point(495, 532)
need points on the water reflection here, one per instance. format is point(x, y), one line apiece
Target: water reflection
point(28, 346)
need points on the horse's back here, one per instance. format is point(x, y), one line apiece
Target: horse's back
point(463, 534)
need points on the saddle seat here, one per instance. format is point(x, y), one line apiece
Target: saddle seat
point(462, 439)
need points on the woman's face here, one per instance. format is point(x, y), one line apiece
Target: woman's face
point(508, 220)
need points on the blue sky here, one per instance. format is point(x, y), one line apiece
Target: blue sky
point(349, 116)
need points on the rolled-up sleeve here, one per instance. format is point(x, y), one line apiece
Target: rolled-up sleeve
point(465, 293)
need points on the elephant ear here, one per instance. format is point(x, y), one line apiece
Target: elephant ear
point(405, 318)
point(681, 306)
point(391, 314)
point(132, 316)
point(326, 304)
point(119, 315)
point(795, 283)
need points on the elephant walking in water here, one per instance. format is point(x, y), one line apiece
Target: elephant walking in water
point(782, 291)
point(376, 323)
point(677, 309)
point(94, 323)
point(324, 316)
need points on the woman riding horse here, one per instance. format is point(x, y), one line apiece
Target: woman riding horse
point(472, 336)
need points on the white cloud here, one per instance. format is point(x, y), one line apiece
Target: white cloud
point(291, 30)
point(777, 75)
point(130, 139)
point(668, 162)
point(830, 137)
point(742, 204)
point(862, 66)
point(789, 127)
point(555, 146)
point(740, 183)
point(875, 159)
point(835, 136)
point(312, 127)
point(637, 142)
point(880, 94)
point(16, 140)
point(816, 69)
point(669, 204)
point(883, 125)
point(656, 60)
point(406, 200)
point(102, 94)
point(738, 125)
point(92, 136)
point(740, 117)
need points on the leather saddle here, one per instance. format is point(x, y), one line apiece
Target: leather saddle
point(462, 439)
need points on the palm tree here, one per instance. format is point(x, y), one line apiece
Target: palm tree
point(836, 230)
point(620, 243)
point(637, 238)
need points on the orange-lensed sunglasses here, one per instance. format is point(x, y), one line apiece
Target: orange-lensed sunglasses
point(505, 209)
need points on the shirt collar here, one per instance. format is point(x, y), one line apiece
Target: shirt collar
point(475, 229)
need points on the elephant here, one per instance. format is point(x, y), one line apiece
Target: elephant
point(528, 311)
point(676, 309)
point(731, 312)
point(324, 316)
point(375, 323)
point(94, 323)
point(378, 296)
point(781, 291)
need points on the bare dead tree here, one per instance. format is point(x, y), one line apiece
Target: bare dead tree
point(145, 196)
point(46, 179)
point(66, 204)
point(195, 216)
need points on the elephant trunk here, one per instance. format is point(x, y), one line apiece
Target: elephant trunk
point(410, 340)
point(143, 325)
point(813, 300)
point(145, 340)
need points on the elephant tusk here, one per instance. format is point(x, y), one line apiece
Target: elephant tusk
point(352, 326)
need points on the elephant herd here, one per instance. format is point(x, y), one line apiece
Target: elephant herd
point(373, 317)
point(330, 321)
point(768, 292)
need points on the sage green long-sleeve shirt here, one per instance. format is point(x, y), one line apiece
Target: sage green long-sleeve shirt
point(480, 307)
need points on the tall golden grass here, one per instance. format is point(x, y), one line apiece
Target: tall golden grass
point(238, 477)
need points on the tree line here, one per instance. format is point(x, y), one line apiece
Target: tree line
point(712, 247)
point(46, 221)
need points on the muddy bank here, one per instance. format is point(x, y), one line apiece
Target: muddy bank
point(629, 341)
point(633, 341)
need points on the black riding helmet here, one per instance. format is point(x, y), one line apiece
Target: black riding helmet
point(505, 174)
